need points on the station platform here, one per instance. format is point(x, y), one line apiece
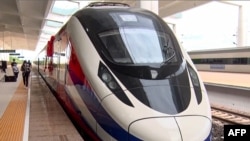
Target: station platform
point(33, 114)
point(226, 78)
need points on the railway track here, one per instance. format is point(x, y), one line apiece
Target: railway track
point(230, 117)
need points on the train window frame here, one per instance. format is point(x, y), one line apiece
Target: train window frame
point(163, 39)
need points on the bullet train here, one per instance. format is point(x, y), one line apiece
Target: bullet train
point(120, 74)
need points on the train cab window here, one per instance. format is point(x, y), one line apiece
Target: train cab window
point(137, 39)
point(116, 49)
point(137, 45)
point(131, 37)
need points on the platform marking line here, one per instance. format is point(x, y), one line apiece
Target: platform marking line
point(27, 117)
point(12, 120)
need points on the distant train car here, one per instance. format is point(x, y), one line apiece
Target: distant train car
point(235, 59)
point(120, 74)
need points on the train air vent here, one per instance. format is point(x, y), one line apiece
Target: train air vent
point(103, 4)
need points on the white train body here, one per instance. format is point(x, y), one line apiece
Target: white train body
point(121, 73)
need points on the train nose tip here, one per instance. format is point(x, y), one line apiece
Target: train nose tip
point(194, 128)
point(158, 129)
point(185, 128)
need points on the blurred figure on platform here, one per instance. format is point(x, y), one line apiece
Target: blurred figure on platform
point(15, 68)
point(26, 68)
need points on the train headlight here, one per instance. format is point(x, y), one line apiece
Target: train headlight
point(106, 77)
point(111, 83)
point(194, 77)
point(196, 83)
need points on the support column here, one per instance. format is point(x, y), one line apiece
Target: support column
point(149, 5)
point(242, 30)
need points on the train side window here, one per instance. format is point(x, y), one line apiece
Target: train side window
point(235, 61)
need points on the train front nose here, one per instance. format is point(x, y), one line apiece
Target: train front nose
point(194, 128)
point(184, 128)
point(156, 129)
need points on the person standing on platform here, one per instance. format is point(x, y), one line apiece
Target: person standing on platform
point(15, 68)
point(4, 66)
point(23, 72)
point(26, 68)
point(29, 63)
point(1, 65)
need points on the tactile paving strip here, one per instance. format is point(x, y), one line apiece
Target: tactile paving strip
point(12, 121)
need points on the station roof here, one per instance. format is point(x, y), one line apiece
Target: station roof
point(25, 24)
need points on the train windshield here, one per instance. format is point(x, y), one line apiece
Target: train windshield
point(137, 41)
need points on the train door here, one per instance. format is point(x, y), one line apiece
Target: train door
point(67, 57)
point(61, 58)
point(56, 59)
point(51, 63)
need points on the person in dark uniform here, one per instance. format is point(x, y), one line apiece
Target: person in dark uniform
point(26, 68)
point(4, 66)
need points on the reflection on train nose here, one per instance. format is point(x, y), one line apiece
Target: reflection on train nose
point(157, 128)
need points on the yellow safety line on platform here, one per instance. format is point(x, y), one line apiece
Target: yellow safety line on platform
point(12, 121)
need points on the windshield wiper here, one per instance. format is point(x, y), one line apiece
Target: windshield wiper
point(169, 54)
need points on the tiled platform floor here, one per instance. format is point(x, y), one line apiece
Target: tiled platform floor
point(48, 121)
point(32, 114)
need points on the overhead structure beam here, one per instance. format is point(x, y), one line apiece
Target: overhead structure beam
point(168, 8)
point(149, 5)
point(25, 19)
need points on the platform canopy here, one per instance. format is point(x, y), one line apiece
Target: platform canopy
point(26, 24)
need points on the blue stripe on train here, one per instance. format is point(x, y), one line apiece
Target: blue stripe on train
point(101, 116)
